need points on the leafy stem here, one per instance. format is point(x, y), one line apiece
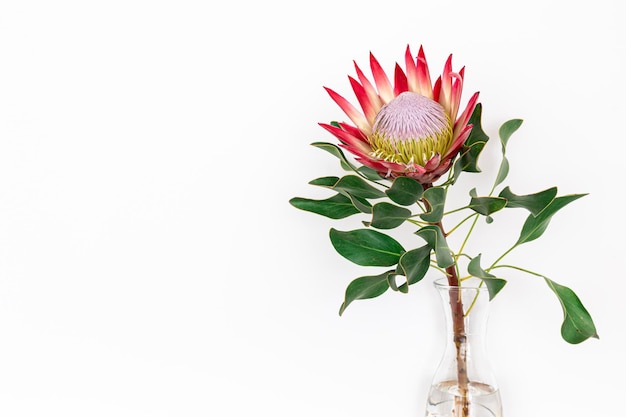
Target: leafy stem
point(469, 232)
point(493, 265)
point(519, 269)
point(577, 323)
point(362, 194)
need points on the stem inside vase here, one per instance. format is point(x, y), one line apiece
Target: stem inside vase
point(463, 385)
point(458, 326)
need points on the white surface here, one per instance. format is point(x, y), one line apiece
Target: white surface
point(150, 264)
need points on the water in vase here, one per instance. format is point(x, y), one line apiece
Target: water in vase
point(444, 400)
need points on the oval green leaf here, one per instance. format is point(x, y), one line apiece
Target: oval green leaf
point(535, 225)
point(436, 198)
point(335, 151)
point(436, 241)
point(534, 203)
point(468, 160)
point(357, 186)
point(503, 171)
point(336, 207)
point(328, 182)
point(405, 191)
point(487, 205)
point(577, 323)
point(494, 284)
point(366, 247)
point(365, 287)
point(361, 204)
point(506, 130)
point(388, 216)
point(415, 263)
point(369, 173)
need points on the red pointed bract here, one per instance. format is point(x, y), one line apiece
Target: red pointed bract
point(369, 88)
point(423, 75)
point(364, 100)
point(353, 142)
point(411, 71)
point(385, 90)
point(400, 81)
point(357, 118)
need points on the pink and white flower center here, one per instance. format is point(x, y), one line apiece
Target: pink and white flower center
point(410, 129)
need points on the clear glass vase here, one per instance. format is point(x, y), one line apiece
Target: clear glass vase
point(464, 385)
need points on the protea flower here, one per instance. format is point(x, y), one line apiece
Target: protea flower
point(409, 128)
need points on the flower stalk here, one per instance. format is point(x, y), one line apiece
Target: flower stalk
point(462, 403)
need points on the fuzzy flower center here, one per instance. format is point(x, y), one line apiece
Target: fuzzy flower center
point(410, 129)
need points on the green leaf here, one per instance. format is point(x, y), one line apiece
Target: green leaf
point(336, 207)
point(327, 182)
point(436, 241)
point(405, 191)
point(352, 187)
point(365, 287)
point(503, 171)
point(347, 167)
point(577, 323)
point(468, 161)
point(369, 173)
point(494, 284)
point(357, 186)
point(487, 205)
point(335, 151)
point(477, 135)
point(473, 146)
point(393, 284)
point(506, 130)
point(361, 204)
point(436, 198)
point(534, 203)
point(366, 247)
point(536, 225)
point(388, 216)
point(414, 264)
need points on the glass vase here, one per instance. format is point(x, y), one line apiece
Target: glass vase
point(464, 384)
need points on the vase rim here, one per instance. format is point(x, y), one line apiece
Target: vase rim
point(443, 284)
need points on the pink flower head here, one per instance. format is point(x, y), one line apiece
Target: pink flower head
point(408, 128)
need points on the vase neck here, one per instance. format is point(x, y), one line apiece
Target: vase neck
point(469, 304)
point(466, 311)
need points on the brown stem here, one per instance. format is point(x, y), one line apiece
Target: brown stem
point(458, 327)
point(460, 339)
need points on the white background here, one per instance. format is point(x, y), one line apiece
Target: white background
point(150, 264)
